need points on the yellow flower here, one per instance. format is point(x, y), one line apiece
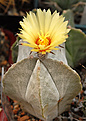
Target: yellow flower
point(43, 31)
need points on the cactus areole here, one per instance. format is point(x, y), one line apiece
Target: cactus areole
point(44, 87)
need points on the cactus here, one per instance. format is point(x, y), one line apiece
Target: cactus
point(77, 6)
point(76, 47)
point(75, 44)
point(69, 16)
point(44, 87)
point(67, 4)
point(42, 82)
point(14, 49)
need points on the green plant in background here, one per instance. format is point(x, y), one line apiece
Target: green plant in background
point(68, 14)
point(66, 4)
point(14, 49)
point(76, 48)
point(76, 43)
point(77, 7)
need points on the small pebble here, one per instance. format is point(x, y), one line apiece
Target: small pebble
point(0, 101)
point(15, 111)
point(23, 118)
point(12, 107)
point(23, 113)
point(15, 117)
point(33, 119)
point(16, 106)
point(0, 109)
point(18, 118)
point(3, 62)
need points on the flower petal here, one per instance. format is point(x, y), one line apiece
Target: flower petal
point(44, 31)
point(26, 37)
point(36, 50)
point(55, 23)
point(47, 20)
point(41, 19)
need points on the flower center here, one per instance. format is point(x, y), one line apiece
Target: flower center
point(43, 39)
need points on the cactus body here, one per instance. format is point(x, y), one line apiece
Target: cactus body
point(67, 4)
point(44, 88)
point(68, 14)
point(76, 47)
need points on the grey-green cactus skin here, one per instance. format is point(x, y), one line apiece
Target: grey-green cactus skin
point(14, 49)
point(66, 4)
point(75, 44)
point(68, 14)
point(71, 4)
point(76, 47)
point(44, 87)
point(24, 52)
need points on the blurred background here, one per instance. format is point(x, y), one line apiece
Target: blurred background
point(11, 11)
